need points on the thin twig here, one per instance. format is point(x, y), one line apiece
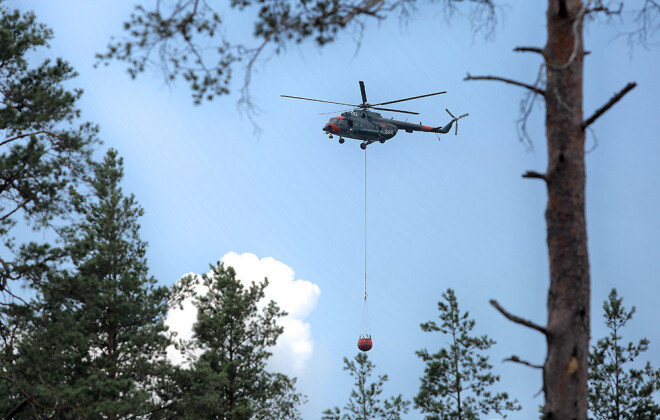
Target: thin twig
point(606, 10)
point(593, 134)
point(534, 89)
point(518, 320)
point(609, 104)
point(526, 107)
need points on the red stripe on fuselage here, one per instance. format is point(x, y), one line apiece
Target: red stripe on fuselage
point(426, 128)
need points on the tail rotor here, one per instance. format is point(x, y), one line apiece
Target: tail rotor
point(455, 119)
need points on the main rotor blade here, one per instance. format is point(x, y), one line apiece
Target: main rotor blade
point(318, 100)
point(413, 97)
point(394, 110)
point(363, 92)
point(333, 112)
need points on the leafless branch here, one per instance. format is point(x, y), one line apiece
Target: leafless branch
point(245, 102)
point(537, 50)
point(534, 89)
point(609, 104)
point(369, 7)
point(646, 21)
point(517, 359)
point(647, 18)
point(600, 7)
point(526, 107)
point(533, 174)
point(518, 320)
point(529, 49)
point(592, 132)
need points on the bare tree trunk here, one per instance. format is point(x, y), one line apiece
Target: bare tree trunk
point(565, 370)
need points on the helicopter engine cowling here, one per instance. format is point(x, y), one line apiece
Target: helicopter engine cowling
point(387, 130)
point(374, 131)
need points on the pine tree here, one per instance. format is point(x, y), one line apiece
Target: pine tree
point(364, 402)
point(92, 342)
point(614, 393)
point(457, 380)
point(227, 377)
point(42, 148)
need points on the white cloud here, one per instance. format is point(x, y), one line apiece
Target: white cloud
point(297, 297)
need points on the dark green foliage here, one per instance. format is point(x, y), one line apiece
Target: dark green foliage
point(614, 393)
point(42, 151)
point(364, 402)
point(227, 377)
point(91, 343)
point(457, 379)
point(182, 32)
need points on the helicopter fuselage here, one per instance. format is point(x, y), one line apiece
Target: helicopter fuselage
point(368, 126)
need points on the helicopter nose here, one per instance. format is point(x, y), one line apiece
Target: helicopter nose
point(332, 128)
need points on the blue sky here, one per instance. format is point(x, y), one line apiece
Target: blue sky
point(454, 213)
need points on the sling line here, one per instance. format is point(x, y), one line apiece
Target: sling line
point(365, 224)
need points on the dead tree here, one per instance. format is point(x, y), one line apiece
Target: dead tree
point(567, 331)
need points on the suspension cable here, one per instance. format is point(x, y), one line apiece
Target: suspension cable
point(365, 224)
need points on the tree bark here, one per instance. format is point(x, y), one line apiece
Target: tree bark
point(565, 370)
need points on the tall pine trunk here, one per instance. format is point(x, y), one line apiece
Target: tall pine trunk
point(565, 370)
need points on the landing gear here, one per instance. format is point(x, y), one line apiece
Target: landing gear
point(341, 140)
point(382, 140)
point(363, 146)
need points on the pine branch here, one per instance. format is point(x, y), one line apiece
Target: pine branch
point(18, 207)
point(518, 320)
point(608, 105)
point(534, 89)
point(18, 408)
point(20, 136)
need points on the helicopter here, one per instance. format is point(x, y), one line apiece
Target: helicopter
point(369, 127)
